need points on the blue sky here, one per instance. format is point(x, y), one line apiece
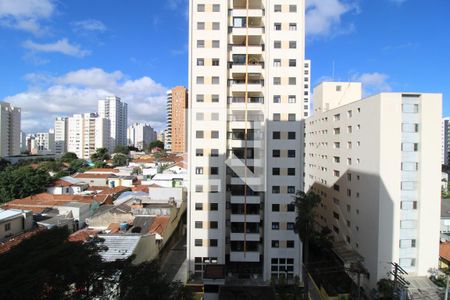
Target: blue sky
point(57, 57)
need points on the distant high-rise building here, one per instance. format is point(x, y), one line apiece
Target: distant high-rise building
point(61, 133)
point(246, 87)
point(113, 109)
point(160, 136)
point(86, 133)
point(177, 104)
point(41, 143)
point(374, 164)
point(10, 119)
point(445, 141)
point(23, 141)
point(140, 135)
point(307, 88)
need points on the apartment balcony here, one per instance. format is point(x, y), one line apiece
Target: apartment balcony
point(248, 256)
point(250, 100)
point(251, 12)
point(250, 181)
point(242, 49)
point(242, 143)
point(252, 4)
point(250, 31)
point(245, 218)
point(254, 68)
point(239, 85)
point(245, 237)
point(245, 199)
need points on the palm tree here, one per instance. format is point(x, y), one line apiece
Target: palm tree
point(305, 204)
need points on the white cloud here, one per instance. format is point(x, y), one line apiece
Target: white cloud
point(61, 46)
point(89, 25)
point(323, 17)
point(79, 91)
point(26, 15)
point(373, 82)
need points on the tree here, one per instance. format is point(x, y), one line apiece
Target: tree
point(137, 171)
point(4, 164)
point(120, 159)
point(132, 148)
point(155, 144)
point(306, 204)
point(68, 157)
point(144, 281)
point(101, 154)
point(122, 149)
point(22, 182)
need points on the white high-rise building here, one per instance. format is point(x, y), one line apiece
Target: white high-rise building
point(445, 140)
point(61, 135)
point(41, 143)
point(307, 88)
point(113, 109)
point(9, 129)
point(246, 103)
point(140, 135)
point(23, 141)
point(86, 133)
point(374, 164)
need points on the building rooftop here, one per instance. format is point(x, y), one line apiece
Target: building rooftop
point(119, 246)
point(9, 214)
point(444, 251)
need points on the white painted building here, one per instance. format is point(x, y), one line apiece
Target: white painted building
point(113, 109)
point(10, 118)
point(307, 88)
point(374, 163)
point(61, 134)
point(140, 135)
point(41, 142)
point(445, 140)
point(86, 133)
point(246, 103)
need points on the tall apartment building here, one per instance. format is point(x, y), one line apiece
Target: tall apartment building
point(374, 163)
point(113, 109)
point(445, 140)
point(41, 143)
point(9, 129)
point(177, 104)
point(61, 134)
point(140, 135)
point(23, 142)
point(246, 102)
point(86, 133)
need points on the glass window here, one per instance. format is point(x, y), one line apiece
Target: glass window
point(200, 62)
point(292, 44)
point(276, 153)
point(200, 98)
point(277, 8)
point(200, 7)
point(292, 8)
point(199, 134)
point(216, 44)
point(292, 63)
point(292, 26)
point(215, 80)
point(215, 61)
point(292, 81)
point(277, 26)
point(277, 44)
point(214, 98)
point(200, 44)
point(216, 26)
point(276, 99)
point(216, 7)
point(200, 25)
point(277, 80)
point(198, 242)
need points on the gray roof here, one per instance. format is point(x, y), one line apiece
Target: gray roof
point(119, 246)
point(141, 224)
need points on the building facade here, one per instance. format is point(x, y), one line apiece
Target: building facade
point(41, 143)
point(86, 133)
point(374, 164)
point(246, 103)
point(445, 140)
point(116, 111)
point(61, 135)
point(10, 120)
point(140, 135)
point(307, 88)
point(177, 104)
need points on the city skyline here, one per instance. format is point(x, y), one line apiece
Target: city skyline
point(85, 56)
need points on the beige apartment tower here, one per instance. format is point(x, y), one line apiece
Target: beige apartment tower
point(177, 104)
point(10, 119)
point(246, 103)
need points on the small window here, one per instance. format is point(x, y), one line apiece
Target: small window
point(213, 224)
point(275, 171)
point(291, 117)
point(291, 189)
point(277, 8)
point(200, 98)
point(276, 135)
point(198, 206)
point(200, 62)
point(198, 170)
point(290, 244)
point(213, 243)
point(198, 224)
point(215, 61)
point(199, 116)
point(276, 99)
point(199, 188)
point(292, 81)
point(275, 189)
point(214, 116)
point(215, 80)
point(214, 207)
point(214, 134)
point(277, 44)
point(291, 172)
point(275, 244)
point(214, 152)
point(216, 7)
point(292, 99)
point(198, 152)
point(277, 62)
point(214, 98)
point(292, 44)
point(200, 25)
point(214, 171)
point(276, 117)
point(292, 63)
point(275, 225)
point(198, 242)
point(277, 26)
point(275, 153)
point(216, 44)
point(292, 8)
point(291, 153)
point(292, 26)
point(7, 226)
point(200, 80)
point(216, 26)
point(200, 7)
point(199, 134)
point(277, 80)
point(291, 135)
point(275, 207)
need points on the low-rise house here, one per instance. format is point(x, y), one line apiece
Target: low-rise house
point(102, 171)
point(110, 214)
point(14, 222)
point(167, 180)
point(444, 256)
point(80, 211)
point(165, 195)
point(96, 179)
point(67, 186)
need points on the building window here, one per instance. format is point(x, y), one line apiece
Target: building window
point(276, 135)
point(292, 8)
point(200, 62)
point(7, 226)
point(277, 8)
point(200, 80)
point(198, 224)
point(410, 108)
point(291, 153)
point(291, 189)
point(199, 188)
point(292, 44)
point(199, 116)
point(216, 44)
point(292, 99)
point(214, 98)
point(215, 80)
point(292, 81)
point(276, 153)
point(277, 117)
point(275, 189)
point(276, 99)
point(290, 226)
point(213, 225)
point(200, 7)
point(275, 171)
point(216, 7)
point(198, 242)
point(277, 26)
point(214, 134)
point(216, 26)
point(291, 172)
point(277, 44)
point(291, 207)
point(277, 62)
point(214, 171)
point(292, 63)
point(290, 244)
point(199, 134)
point(198, 152)
point(198, 170)
point(291, 135)
point(275, 207)
point(213, 243)
point(214, 152)
point(200, 98)
point(200, 25)
point(215, 61)
point(291, 117)
point(277, 80)
point(214, 207)
point(292, 26)
point(275, 225)
point(275, 244)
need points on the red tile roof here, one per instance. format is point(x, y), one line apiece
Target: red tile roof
point(444, 251)
point(62, 183)
point(103, 170)
point(5, 246)
point(93, 175)
point(159, 225)
point(82, 235)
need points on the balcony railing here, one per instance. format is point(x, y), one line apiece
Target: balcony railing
point(249, 100)
point(242, 82)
